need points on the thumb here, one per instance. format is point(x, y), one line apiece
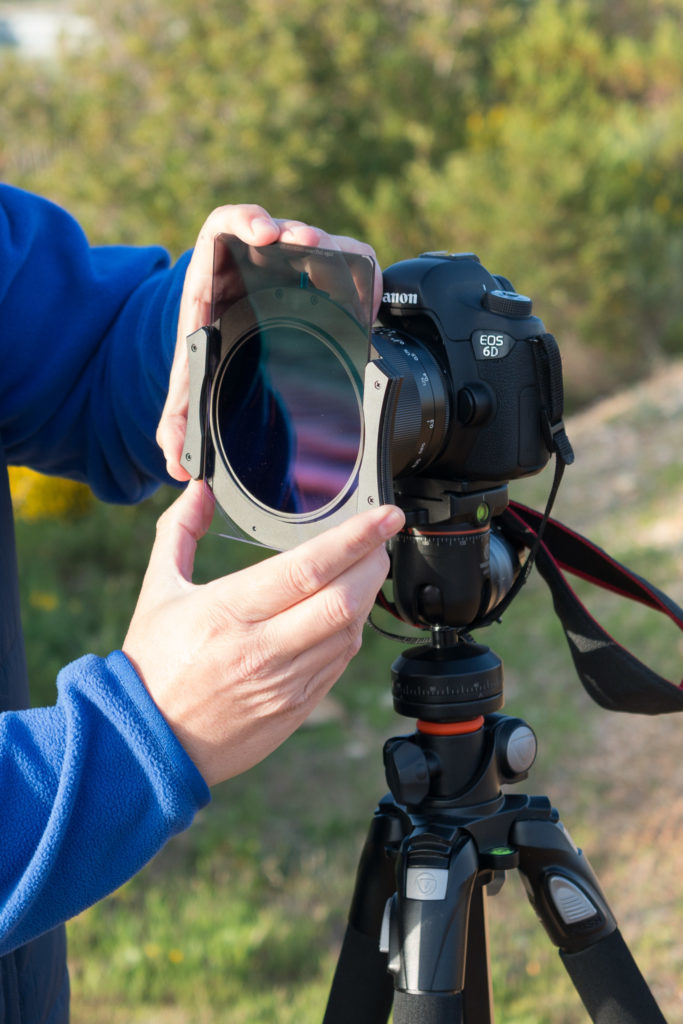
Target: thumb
point(171, 435)
point(178, 530)
point(173, 422)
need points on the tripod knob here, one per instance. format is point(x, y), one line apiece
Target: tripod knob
point(516, 746)
point(407, 771)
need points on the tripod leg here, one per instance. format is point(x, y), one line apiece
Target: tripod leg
point(568, 900)
point(428, 928)
point(610, 984)
point(362, 989)
point(478, 994)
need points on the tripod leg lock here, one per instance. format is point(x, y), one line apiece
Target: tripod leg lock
point(425, 925)
point(561, 886)
point(568, 900)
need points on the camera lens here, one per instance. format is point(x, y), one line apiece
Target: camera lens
point(421, 418)
point(291, 439)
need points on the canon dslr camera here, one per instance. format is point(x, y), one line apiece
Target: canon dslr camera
point(303, 411)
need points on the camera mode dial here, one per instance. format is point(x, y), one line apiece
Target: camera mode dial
point(507, 303)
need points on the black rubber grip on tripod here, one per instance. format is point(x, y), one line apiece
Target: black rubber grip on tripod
point(428, 1008)
point(610, 984)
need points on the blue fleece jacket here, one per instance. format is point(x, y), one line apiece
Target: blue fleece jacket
point(91, 788)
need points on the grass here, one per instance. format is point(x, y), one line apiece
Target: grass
point(240, 918)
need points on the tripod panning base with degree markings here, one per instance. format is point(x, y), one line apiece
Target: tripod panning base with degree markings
point(442, 840)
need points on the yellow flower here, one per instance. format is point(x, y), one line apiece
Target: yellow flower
point(475, 122)
point(43, 600)
point(662, 204)
point(36, 497)
point(176, 956)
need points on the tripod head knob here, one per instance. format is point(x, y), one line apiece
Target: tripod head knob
point(408, 771)
point(517, 746)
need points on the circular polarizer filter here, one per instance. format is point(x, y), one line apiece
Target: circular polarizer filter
point(286, 413)
point(288, 418)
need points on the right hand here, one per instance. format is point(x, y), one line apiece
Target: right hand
point(236, 665)
point(253, 225)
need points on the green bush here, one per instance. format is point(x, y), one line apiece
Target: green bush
point(545, 135)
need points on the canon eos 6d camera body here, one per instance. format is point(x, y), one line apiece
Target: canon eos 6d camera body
point(302, 411)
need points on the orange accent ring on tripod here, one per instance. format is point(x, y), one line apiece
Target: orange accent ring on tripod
point(450, 728)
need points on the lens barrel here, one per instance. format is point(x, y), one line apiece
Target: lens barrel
point(422, 410)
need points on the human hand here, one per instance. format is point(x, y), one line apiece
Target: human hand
point(236, 665)
point(254, 226)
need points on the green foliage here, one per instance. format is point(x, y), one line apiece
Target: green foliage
point(184, 105)
point(569, 182)
point(545, 135)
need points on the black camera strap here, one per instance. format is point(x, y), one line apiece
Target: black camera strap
point(610, 674)
point(549, 377)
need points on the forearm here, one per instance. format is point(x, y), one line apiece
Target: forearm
point(92, 789)
point(87, 340)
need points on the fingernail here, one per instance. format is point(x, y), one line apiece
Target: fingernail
point(258, 223)
point(392, 522)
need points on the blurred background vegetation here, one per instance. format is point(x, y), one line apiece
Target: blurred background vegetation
point(545, 135)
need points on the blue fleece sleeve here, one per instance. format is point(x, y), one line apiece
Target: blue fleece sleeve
point(90, 791)
point(87, 336)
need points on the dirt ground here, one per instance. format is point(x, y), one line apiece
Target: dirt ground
point(630, 459)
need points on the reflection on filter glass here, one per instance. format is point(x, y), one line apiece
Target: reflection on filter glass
point(290, 419)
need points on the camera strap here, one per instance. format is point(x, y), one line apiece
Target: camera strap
point(609, 673)
point(549, 377)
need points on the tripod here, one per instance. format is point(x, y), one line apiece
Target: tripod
point(446, 834)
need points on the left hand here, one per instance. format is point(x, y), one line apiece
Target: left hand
point(254, 226)
point(236, 665)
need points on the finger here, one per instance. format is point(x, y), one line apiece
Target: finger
point(361, 276)
point(328, 622)
point(297, 233)
point(285, 579)
point(251, 224)
point(170, 437)
point(178, 530)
